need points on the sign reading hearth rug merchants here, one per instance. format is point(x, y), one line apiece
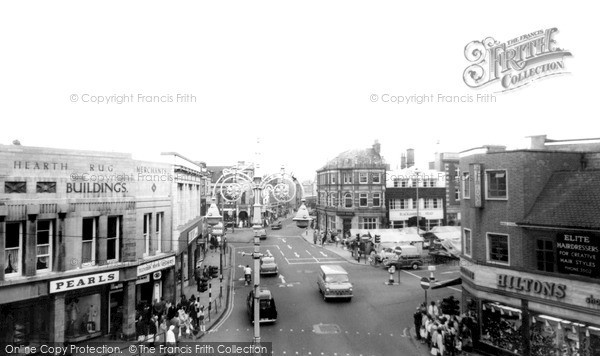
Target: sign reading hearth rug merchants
point(516, 62)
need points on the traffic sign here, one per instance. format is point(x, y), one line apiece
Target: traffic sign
point(425, 283)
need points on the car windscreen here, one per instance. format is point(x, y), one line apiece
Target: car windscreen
point(336, 278)
point(268, 260)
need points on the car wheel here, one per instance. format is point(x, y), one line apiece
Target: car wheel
point(415, 266)
point(324, 298)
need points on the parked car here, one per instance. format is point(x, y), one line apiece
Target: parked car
point(268, 265)
point(334, 282)
point(262, 233)
point(276, 225)
point(268, 310)
point(401, 257)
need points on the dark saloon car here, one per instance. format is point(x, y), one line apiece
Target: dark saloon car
point(268, 311)
point(276, 225)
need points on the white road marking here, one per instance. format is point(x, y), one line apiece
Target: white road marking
point(282, 279)
point(283, 240)
point(290, 247)
point(296, 254)
point(308, 252)
point(449, 272)
point(323, 253)
point(231, 300)
point(404, 333)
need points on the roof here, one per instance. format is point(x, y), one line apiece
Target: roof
point(570, 199)
point(357, 158)
point(333, 269)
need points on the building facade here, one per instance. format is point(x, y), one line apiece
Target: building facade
point(351, 191)
point(75, 241)
point(448, 162)
point(402, 189)
point(531, 247)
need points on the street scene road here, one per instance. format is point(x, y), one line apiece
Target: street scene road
point(378, 320)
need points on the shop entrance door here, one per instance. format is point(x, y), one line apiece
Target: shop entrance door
point(115, 312)
point(347, 226)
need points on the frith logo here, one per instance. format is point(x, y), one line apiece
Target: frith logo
point(514, 63)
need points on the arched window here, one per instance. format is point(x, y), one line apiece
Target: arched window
point(347, 200)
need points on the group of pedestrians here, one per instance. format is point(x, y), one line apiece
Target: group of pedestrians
point(322, 237)
point(444, 334)
point(173, 322)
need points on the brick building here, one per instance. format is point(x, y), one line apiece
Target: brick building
point(351, 191)
point(84, 236)
point(531, 247)
point(447, 162)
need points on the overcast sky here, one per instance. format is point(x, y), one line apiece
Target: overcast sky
point(300, 75)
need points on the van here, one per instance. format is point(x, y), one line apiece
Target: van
point(401, 257)
point(334, 282)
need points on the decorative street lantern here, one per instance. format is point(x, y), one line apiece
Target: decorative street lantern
point(302, 218)
point(213, 217)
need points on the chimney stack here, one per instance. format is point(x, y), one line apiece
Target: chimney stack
point(410, 157)
point(377, 147)
point(402, 160)
point(537, 142)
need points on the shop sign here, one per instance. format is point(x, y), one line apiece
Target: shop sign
point(192, 234)
point(578, 253)
point(154, 266)
point(156, 275)
point(143, 279)
point(68, 284)
point(530, 285)
point(217, 231)
point(477, 185)
point(344, 213)
point(467, 272)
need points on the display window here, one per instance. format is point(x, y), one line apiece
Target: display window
point(501, 327)
point(552, 336)
point(24, 324)
point(82, 317)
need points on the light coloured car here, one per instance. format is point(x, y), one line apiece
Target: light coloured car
point(334, 282)
point(268, 265)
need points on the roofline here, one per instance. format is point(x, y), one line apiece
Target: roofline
point(180, 156)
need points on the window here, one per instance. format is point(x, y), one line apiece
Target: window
point(159, 221)
point(414, 203)
point(147, 225)
point(414, 183)
point(456, 193)
point(44, 245)
point(347, 177)
point(498, 248)
point(467, 242)
point(398, 204)
point(545, 255)
point(363, 177)
point(466, 185)
point(88, 241)
point(113, 238)
point(45, 187)
point(376, 199)
point(437, 203)
point(15, 187)
point(376, 177)
point(427, 203)
point(333, 178)
point(432, 182)
point(12, 249)
point(404, 183)
point(496, 184)
point(334, 199)
point(368, 223)
point(363, 199)
point(348, 200)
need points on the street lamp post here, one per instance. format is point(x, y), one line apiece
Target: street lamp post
point(282, 187)
point(417, 177)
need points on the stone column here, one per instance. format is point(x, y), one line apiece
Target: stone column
point(129, 310)
point(30, 245)
point(57, 318)
point(102, 245)
point(2, 243)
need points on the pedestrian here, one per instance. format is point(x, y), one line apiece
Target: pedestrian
point(201, 318)
point(315, 236)
point(171, 340)
point(418, 318)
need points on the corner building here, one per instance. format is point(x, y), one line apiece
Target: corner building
point(531, 247)
point(76, 243)
point(351, 191)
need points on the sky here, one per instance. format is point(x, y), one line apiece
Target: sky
point(301, 76)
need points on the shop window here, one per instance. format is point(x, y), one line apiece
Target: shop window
point(363, 199)
point(498, 248)
point(88, 241)
point(25, 323)
point(496, 185)
point(502, 327)
point(113, 239)
point(82, 317)
point(554, 336)
point(545, 255)
point(376, 199)
point(13, 251)
point(368, 223)
point(467, 242)
point(44, 245)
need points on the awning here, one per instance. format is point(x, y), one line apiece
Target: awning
point(447, 283)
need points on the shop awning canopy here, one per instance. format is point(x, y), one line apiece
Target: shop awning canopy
point(447, 283)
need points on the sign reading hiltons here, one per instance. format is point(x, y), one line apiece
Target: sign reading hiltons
point(516, 62)
point(155, 266)
point(530, 285)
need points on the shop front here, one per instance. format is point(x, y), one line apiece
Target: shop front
point(522, 313)
point(87, 301)
point(25, 323)
point(153, 280)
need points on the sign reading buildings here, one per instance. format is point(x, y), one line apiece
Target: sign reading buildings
point(578, 253)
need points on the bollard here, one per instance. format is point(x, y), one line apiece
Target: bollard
point(431, 276)
point(391, 271)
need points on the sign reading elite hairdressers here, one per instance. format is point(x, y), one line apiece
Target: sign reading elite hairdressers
point(578, 253)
